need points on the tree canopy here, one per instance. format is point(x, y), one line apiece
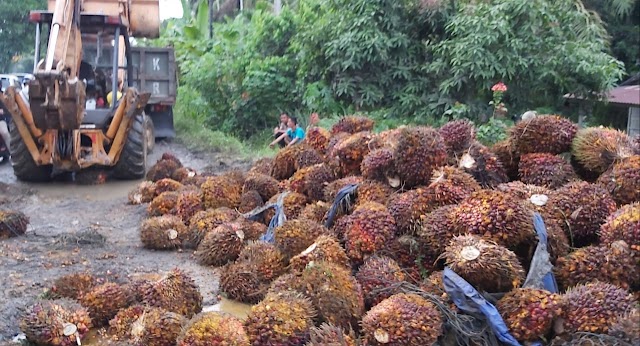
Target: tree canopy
point(16, 33)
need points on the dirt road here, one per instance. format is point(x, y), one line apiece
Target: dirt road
point(87, 228)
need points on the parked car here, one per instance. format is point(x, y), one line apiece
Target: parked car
point(8, 80)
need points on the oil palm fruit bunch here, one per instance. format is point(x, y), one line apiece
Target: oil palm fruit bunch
point(249, 201)
point(318, 139)
point(351, 151)
point(594, 307)
point(61, 322)
point(157, 327)
point(12, 223)
point(213, 328)
point(235, 175)
point(622, 180)
point(378, 165)
point(220, 191)
point(163, 168)
point(418, 152)
point(72, 286)
point(543, 134)
point(266, 260)
point(597, 148)
point(496, 216)
point(168, 156)
point(137, 288)
point(308, 156)
point(315, 211)
point(627, 326)
point(623, 224)
point(402, 319)
point(266, 185)
point(240, 282)
point(262, 166)
point(166, 184)
point(188, 203)
point(386, 139)
point(284, 163)
point(206, 221)
point(529, 313)
point(485, 265)
point(367, 230)
point(457, 135)
point(544, 169)
point(253, 230)
point(410, 255)
point(585, 207)
point(353, 124)
point(121, 324)
point(331, 190)
point(613, 263)
point(407, 208)
point(434, 285)
point(293, 204)
point(223, 244)
point(483, 165)
point(373, 191)
point(437, 229)
point(163, 204)
point(451, 185)
point(508, 157)
point(329, 335)
point(335, 293)
point(376, 277)
point(143, 193)
point(184, 174)
point(294, 236)
point(104, 301)
point(325, 248)
point(176, 292)
point(283, 318)
point(163, 232)
point(311, 180)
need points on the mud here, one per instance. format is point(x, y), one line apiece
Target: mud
point(90, 228)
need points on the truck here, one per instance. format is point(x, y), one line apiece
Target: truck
point(87, 106)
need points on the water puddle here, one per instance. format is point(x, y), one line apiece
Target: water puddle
point(232, 307)
point(112, 189)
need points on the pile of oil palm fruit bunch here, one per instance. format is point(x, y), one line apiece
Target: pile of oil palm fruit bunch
point(344, 238)
point(12, 223)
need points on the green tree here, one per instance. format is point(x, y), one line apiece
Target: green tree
point(16, 33)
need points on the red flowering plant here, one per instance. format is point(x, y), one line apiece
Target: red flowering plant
point(499, 108)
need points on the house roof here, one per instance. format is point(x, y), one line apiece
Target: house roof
point(625, 95)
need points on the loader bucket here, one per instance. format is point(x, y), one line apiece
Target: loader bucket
point(56, 103)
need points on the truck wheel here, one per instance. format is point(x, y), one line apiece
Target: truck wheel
point(150, 132)
point(133, 159)
point(24, 167)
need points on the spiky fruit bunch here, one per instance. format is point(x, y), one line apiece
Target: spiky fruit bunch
point(120, 325)
point(373, 191)
point(175, 292)
point(163, 232)
point(283, 318)
point(236, 175)
point(623, 224)
point(483, 165)
point(596, 148)
point(434, 284)
point(386, 138)
point(613, 264)
point(72, 286)
point(451, 185)
point(367, 230)
point(311, 180)
point(329, 335)
point(522, 190)
point(485, 265)
point(379, 165)
point(189, 203)
point(170, 157)
point(495, 215)
point(163, 204)
point(594, 307)
point(137, 288)
point(266, 260)
point(183, 174)
point(240, 282)
point(104, 301)
point(437, 228)
point(352, 124)
point(308, 156)
point(249, 201)
point(262, 166)
point(294, 236)
point(157, 327)
point(223, 244)
point(166, 184)
point(543, 134)
point(529, 313)
point(12, 223)
point(406, 209)
point(627, 326)
point(457, 135)
point(55, 322)
point(221, 192)
point(266, 185)
point(315, 211)
point(331, 190)
point(293, 204)
point(335, 293)
point(284, 163)
point(318, 139)
point(505, 152)
point(206, 221)
point(325, 248)
point(143, 193)
point(213, 328)
point(543, 169)
point(410, 255)
point(419, 151)
point(402, 319)
point(253, 230)
point(351, 151)
point(622, 181)
point(376, 275)
point(585, 207)
point(162, 169)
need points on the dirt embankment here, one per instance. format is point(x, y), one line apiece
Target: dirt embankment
point(87, 228)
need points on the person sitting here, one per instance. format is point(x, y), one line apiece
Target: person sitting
point(282, 128)
point(295, 134)
point(314, 119)
point(118, 94)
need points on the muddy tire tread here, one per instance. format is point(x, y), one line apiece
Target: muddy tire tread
point(24, 168)
point(133, 159)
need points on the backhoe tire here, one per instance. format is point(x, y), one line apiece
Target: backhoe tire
point(151, 134)
point(24, 168)
point(132, 164)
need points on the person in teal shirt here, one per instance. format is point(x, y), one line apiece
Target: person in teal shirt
point(294, 134)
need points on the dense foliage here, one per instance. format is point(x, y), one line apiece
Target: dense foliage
point(16, 33)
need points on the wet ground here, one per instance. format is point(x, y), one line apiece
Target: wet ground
point(89, 228)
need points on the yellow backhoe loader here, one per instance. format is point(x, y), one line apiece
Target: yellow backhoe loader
point(66, 124)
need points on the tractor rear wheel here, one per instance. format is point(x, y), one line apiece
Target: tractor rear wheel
point(24, 168)
point(133, 159)
point(151, 134)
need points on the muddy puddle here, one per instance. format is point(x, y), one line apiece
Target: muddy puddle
point(113, 189)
